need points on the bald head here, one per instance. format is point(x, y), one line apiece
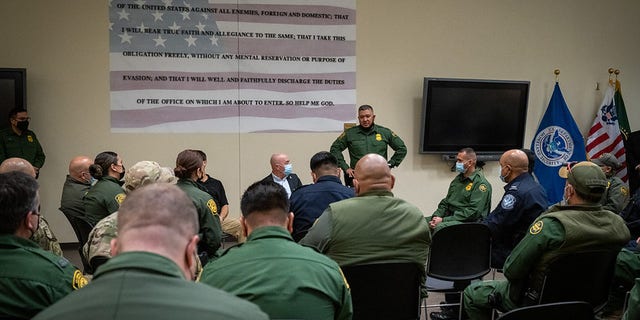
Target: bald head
point(79, 168)
point(513, 163)
point(372, 172)
point(17, 164)
point(278, 161)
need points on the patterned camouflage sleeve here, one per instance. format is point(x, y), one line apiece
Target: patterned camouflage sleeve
point(45, 238)
point(99, 241)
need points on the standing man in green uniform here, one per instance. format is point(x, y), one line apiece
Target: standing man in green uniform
point(18, 141)
point(154, 263)
point(469, 195)
point(617, 195)
point(287, 280)
point(31, 279)
point(578, 225)
point(365, 138)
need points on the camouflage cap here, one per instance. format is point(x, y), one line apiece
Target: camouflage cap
point(586, 177)
point(140, 174)
point(607, 159)
point(167, 175)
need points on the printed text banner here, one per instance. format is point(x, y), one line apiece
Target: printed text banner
point(232, 66)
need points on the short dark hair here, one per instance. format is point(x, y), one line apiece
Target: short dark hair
point(264, 196)
point(101, 164)
point(18, 196)
point(14, 112)
point(365, 107)
point(323, 159)
point(202, 154)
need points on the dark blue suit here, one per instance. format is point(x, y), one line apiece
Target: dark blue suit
point(294, 181)
point(308, 202)
point(523, 201)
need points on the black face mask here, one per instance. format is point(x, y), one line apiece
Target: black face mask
point(22, 125)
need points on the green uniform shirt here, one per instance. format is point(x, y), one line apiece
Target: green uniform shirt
point(73, 192)
point(25, 146)
point(361, 141)
point(373, 227)
point(468, 199)
point(143, 285)
point(633, 311)
point(287, 280)
point(103, 199)
point(209, 221)
point(32, 279)
point(616, 197)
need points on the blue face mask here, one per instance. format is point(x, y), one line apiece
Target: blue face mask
point(500, 174)
point(459, 167)
point(288, 169)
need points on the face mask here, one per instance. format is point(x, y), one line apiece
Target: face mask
point(22, 125)
point(500, 174)
point(459, 167)
point(122, 173)
point(288, 169)
point(565, 200)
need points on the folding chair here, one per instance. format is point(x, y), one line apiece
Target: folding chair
point(458, 254)
point(575, 310)
point(384, 290)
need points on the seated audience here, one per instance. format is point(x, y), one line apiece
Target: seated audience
point(286, 280)
point(282, 173)
point(617, 194)
point(374, 226)
point(43, 236)
point(97, 250)
point(154, 263)
point(31, 278)
point(580, 224)
point(308, 202)
point(76, 187)
point(106, 195)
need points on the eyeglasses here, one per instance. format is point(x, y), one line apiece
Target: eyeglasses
point(23, 119)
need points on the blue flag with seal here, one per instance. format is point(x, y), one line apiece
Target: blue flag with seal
point(557, 141)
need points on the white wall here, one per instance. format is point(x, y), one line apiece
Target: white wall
point(64, 46)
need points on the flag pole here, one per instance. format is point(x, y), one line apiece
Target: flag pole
point(557, 73)
point(611, 71)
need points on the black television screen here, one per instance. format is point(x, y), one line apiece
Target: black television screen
point(13, 83)
point(486, 115)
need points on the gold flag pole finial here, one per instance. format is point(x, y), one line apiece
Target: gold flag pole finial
point(617, 72)
point(557, 73)
point(611, 71)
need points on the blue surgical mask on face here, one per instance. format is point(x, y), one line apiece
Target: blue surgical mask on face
point(288, 169)
point(500, 174)
point(459, 167)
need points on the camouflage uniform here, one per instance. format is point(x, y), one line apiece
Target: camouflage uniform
point(45, 238)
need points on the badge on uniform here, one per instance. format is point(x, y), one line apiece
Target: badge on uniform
point(624, 190)
point(469, 186)
point(29, 138)
point(536, 227)
point(508, 201)
point(378, 137)
point(120, 197)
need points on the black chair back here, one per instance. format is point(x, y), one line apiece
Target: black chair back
point(575, 310)
point(82, 229)
point(581, 276)
point(460, 252)
point(384, 290)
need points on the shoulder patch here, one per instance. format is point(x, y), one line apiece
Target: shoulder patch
point(469, 186)
point(378, 137)
point(508, 202)
point(79, 280)
point(624, 190)
point(212, 207)
point(483, 187)
point(536, 228)
point(120, 197)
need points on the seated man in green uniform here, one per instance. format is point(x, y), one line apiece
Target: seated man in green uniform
point(287, 280)
point(374, 226)
point(154, 263)
point(366, 137)
point(31, 279)
point(469, 196)
point(18, 141)
point(616, 196)
point(578, 223)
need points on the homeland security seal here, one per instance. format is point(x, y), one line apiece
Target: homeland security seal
point(553, 146)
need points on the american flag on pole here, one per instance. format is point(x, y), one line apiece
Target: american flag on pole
point(232, 65)
point(604, 135)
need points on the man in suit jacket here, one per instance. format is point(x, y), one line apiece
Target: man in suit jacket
point(282, 173)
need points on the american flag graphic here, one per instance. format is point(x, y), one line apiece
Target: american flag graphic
point(231, 66)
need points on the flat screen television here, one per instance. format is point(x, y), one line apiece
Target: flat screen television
point(13, 93)
point(486, 115)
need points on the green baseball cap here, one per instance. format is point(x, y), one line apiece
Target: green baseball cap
point(586, 177)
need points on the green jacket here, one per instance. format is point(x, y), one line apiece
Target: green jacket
point(468, 199)
point(633, 311)
point(32, 279)
point(373, 227)
point(73, 192)
point(25, 146)
point(361, 141)
point(208, 219)
point(560, 230)
point(616, 197)
point(287, 280)
point(144, 285)
point(103, 199)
